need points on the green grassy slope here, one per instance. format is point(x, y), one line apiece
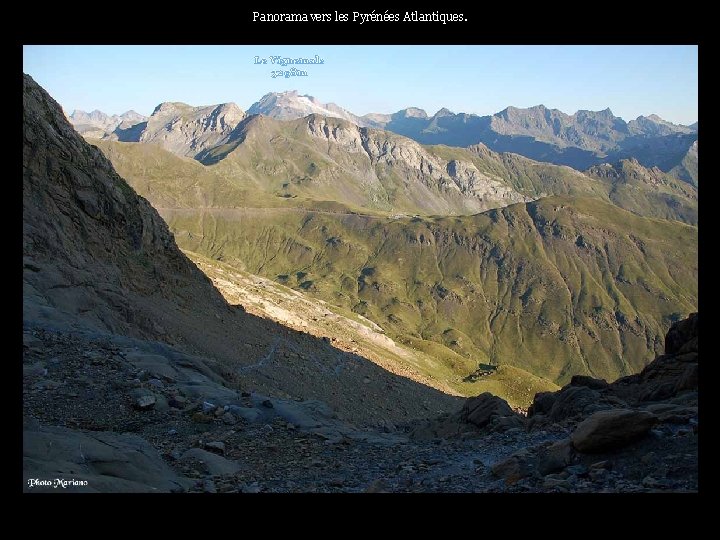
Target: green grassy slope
point(351, 332)
point(564, 285)
point(649, 192)
point(555, 287)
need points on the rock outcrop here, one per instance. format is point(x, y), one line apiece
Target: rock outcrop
point(452, 184)
point(671, 376)
point(92, 248)
point(608, 430)
point(479, 416)
point(94, 462)
point(186, 131)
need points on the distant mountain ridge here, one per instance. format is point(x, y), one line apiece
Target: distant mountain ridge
point(581, 140)
point(97, 124)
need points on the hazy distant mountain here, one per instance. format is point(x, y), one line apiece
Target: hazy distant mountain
point(97, 124)
point(580, 140)
point(291, 105)
point(688, 168)
point(654, 125)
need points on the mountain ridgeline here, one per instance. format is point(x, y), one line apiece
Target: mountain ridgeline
point(580, 140)
point(556, 281)
point(329, 160)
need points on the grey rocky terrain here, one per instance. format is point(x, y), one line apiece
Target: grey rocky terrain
point(186, 130)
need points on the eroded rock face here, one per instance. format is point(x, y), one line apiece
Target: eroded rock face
point(409, 159)
point(91, 246)
point(187, 131)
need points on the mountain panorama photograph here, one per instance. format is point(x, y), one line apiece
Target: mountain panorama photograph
point(360, 269)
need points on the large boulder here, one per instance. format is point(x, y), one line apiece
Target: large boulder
point(479, 410)
point(99, 462)
point(514, 467)
point(487, 410)
point(542, 403)
point(556, 457)
point(479, 415)
point(575, 401)
point(612, 429)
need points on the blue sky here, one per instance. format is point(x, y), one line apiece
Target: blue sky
point(631, 80)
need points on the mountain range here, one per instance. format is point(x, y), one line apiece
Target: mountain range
point(293, 200)
point(97, 124)
point(580, 140)
point(329, 209)
point(149, 368)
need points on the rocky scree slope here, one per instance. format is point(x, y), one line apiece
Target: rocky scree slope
point(98, 256)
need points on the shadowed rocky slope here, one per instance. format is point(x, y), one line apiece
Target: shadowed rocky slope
point(98, 258)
